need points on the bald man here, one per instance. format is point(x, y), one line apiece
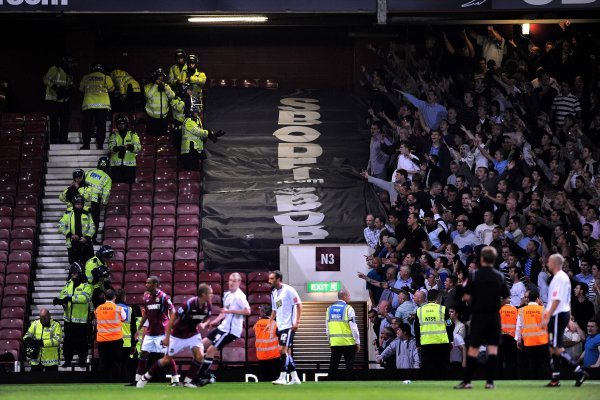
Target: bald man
point(47, 333)
point(343, 335)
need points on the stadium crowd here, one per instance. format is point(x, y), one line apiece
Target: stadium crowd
point(482, 138)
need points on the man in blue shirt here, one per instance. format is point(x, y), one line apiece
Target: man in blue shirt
point(433, 113)
point(591, 352)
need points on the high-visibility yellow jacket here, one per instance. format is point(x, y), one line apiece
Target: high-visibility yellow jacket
point(192, 132)
point(432, 324)
point(116, 140)
point(56, 76)
point(95, 87)
point(126, 325)
point(197, 80)
point(67, 226)
point(85, 191)
point(175, 73)
point(157, 102)
point(101, 185)
point(338, 326)
point(123, 80)
point(77, 310)
point(90, 266)
point(178, 109)
point(49, 354)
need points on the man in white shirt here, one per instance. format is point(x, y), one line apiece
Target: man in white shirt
point(287, 311)
point(556, 316)
point(231, 324)
point(518, 289)
point(407, 161)
point(484, 231)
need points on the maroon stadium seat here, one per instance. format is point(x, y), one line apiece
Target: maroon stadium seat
point(135, 277)
point(217, 289)
point(258, 276)
point(259, 287)
point(163, 231)
point(188, 209)
point(206, 277)
point(233, 354)
point(115, 220)
point(13, 312)
point(138, 243)
point(216, 300)
point(28, 187)
point(2, 268)
point(119, 198)
point(119, 256)
point(144, 175)
point(163, 152)
point(162, 244)
point(22, 233)
point(6, 222)
point(189, 243)
point(140, 220)
point(166, 277)
point(184, 219)
point(162, 255)
point(185, 265)
point(25, 211)
point(115, 243)
point(138, 231)
point(18, 268)
point(161, 266)
point(188, 199)
point(137, 256)
point(135, 298)
point(20, 256)
point(136, 265)
point(117, 266)
point(21, 244)
point(185, 288)
point(142, 187)
point(4, 245)
point(165, 186)
point(11, 323)
point(17, 279)
point(119, 188)
point(189, 175)
point(5, 234)
point(186, 255)
point(11, 334)
point(186, 276)
point(4, 257)
point(6, 211)
point(166, 164)
point(168, 175)
point(142, 208)
point(259, 298)
point(117, 209)
point(115, 232)
point(188, 231)
point(163, 208)
point(116, 279)
point(180, 299)
point(23, 222)
point(7, 199)
point(165, 198)
point(15, 301)
point(27, 198)
point(135, 287)
point(163, 220)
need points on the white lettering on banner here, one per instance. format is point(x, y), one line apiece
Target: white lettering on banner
point(36, 2)
point(300, 220)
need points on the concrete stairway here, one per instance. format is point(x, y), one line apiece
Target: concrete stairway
point(52, 260)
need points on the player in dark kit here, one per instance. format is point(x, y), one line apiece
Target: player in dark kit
point(157, 309)
point(182, 333)
point(485, 290)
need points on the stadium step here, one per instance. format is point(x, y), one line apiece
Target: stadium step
point(52, 260)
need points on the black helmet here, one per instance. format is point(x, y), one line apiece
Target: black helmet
point(78, 199)
point(101, 272)
point(78, 173)
point(158, 73)
point(193, 106)
point(66, 59)
point(75, 268)
point(103, 163)
point(180, 53)
point(192, 59)
point(97, 68)
point(122, 119)
point(105, 251)
point(32, 347)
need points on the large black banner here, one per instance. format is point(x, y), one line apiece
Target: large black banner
point(286, 172)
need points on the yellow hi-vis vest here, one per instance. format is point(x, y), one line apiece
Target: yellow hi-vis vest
point(95, 87)
point(85, 191)
point(340, 333)
point(66, 226)
point(178, 109)
point(77, 310)
point(101, 185)
point(192, 132)
point(122, 80)
point(197, 80)
point(138, 345)
point(115, 140)
point(157, 102)
point(126, 325)
point(432, 324)
point(532, 333)
point(56, 76)
point(50, 353)
point(174, 73)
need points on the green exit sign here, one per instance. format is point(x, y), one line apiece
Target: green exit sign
point(323, 287)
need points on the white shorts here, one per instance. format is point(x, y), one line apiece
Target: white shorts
point(176, 345)
point(152, 344)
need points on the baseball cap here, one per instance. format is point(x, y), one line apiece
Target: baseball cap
point(467, 249)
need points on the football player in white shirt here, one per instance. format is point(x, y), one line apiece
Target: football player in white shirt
point(287, 310)
point(231, 324)
point(556, 317)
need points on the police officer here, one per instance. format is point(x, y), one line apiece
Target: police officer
point(433, 335)
point(177, 68)
point(101, 184)
point(78, 228)
point(194, 77)
point(192, 137)
point(124, 145)
point(507, 351)
point(59, 84)
point(128, 94)
point(128, 327)
point(97, 273)
point(343, 335)
point(531, 337)
point(75, 298)
point(48, 334)
point(78, 186)
point(96, 104)
point(158, 93)
point(178, 107)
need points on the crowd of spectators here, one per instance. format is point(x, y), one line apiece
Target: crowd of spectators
point(481, 139)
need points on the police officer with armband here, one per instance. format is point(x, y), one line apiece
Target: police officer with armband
point(343, 335)
point(75, 298)
point(101, 184)
point(98, 274)
point(42, 342)
point(78, 228)
point(124, 145)
point(78, 186)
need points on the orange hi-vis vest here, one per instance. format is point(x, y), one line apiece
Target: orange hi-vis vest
point(267, 343)
point(508, 319)
point(532, 333)
point(108, 322)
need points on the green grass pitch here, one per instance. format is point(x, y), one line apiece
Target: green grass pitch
point(373, 390)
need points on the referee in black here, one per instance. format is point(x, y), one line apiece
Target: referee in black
point(485, 290)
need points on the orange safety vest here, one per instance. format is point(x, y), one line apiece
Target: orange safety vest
point(532, 333)
point(108, 322)
point(267, 343)
point(508, 319)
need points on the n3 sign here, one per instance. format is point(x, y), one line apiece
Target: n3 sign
point(564, 2)
point(327, 258)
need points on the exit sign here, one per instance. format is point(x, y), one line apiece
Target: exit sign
point(323, 287)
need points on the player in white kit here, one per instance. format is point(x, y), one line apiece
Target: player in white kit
point(556, 317)
point(287, 310)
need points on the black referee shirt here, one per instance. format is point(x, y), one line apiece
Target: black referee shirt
point(487, 288)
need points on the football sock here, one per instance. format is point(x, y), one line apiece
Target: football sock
point(205, 368)
point(555, 365)
point(490, 367)
point(569, 360)
point(154, 369)
point(174, 375)
point(471, 363)
point(141, 367)
point(291, 364)
point(295, 376)
point(284, 361)
point(193, 371)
